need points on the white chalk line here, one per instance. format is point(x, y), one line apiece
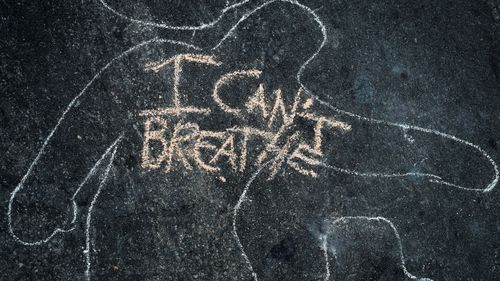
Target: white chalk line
point(405, 127)
point(396, 233)
point(379, 175)
point(74, 206)
point(88, 248)
point(235, 215)
point(324, 248)
point(176, 27)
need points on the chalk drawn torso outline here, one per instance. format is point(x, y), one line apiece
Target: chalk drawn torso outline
point(110, 152)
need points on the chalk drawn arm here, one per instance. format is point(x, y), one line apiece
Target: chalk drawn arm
point(70, 157)
point(61, 167)
point(455, 162)
point(477, 151)
point(89, 129)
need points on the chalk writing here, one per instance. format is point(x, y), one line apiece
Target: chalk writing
point(229, 147)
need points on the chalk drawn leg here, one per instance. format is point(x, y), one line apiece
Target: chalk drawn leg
point(236, 211)
point(272, 234)
point(427, 157)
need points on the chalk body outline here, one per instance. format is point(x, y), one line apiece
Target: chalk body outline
point(404, 127)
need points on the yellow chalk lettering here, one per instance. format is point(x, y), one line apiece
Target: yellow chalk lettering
point(257, 102)
point(182, 135)
point(299, 154)
point(227, 149)
point(280, 108)
point(148, 161)
point(177, 97)
point(203, 143)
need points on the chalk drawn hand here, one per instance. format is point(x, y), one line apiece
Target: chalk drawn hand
point(43, 203)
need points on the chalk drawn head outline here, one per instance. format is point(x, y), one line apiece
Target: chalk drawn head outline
point(102, 165)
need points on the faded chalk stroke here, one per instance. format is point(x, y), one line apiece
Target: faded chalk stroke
point(346, 219)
